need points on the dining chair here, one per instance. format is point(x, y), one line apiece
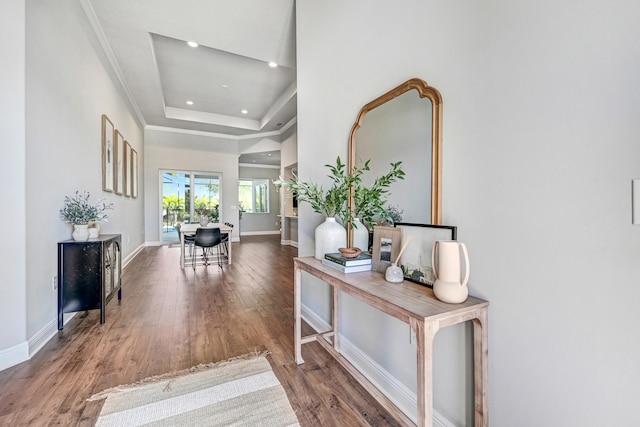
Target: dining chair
point(188, 238)
point(207, 239)
point(226, 239)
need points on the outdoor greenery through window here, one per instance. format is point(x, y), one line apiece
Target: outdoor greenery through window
point(185, 197)
point(253, 195)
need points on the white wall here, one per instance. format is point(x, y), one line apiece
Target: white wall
point(540, 145)
point(55, 87)
point(68, 90)
point(188, 152)
point(13, 305)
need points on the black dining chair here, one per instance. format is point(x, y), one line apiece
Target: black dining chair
point(188, 238)
point(226, 239)
point(207, 238)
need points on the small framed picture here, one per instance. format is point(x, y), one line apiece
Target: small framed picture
point(386, 247)
point(118, 165)
point(107, 154)
point(416, 257)
point(134, 173)
point(127, 169)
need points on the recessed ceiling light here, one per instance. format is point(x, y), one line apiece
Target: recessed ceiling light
point(189, 102)
point(192, 44)
point(272, 64)
point(225, 86)
point(244, 111)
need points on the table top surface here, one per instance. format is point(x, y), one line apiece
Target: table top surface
point(399, 299)
point(191, 228)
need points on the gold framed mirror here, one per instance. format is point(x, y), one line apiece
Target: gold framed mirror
point(404, 124)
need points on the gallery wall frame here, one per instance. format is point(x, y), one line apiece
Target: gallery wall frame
point(127, 169)
point(416, 258)
point(108, 131)
point(134, 173)
point(119, 163)
point(386, 247)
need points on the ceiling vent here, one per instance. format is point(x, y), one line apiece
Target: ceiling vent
point(279, 124)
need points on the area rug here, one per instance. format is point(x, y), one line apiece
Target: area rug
point(242, 391)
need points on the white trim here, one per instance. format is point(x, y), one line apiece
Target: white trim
point(259, 233)
point(289, 243)
point(26, 350)
point(256, 165)
point(13, 355)
point(398, 393)
point(132, 255)
point(111, 57)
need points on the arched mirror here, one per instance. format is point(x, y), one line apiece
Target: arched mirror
point(404, 124)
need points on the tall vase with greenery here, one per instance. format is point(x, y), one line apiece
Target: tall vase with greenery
point(332, 203)
point(370, 201)
point(79, 211)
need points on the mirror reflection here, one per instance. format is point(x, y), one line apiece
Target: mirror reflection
point(404, 125)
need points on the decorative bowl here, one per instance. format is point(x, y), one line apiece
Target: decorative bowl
point(350, 252)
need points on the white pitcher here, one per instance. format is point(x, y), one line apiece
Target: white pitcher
point(449, 286)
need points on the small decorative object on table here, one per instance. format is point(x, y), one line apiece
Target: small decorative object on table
point(394, 273)
point(80, 212)
point(348, 262)
point(350, 252)
point(386, 246)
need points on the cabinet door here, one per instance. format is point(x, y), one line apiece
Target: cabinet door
point(112, 266)
point(81, 277)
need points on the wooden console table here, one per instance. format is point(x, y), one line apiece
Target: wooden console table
point(413, 304)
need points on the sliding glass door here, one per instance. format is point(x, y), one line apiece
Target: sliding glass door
point(185, 196)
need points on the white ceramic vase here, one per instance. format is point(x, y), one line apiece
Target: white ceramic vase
point(80, 232)
point(94, 231)
point(360, 235)
point(329, 237)
point(449, 286)
point(204, 220)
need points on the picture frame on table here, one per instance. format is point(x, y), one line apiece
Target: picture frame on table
point(416, 258)
point(107, 153)
point(134, 173)
point(127, 169)
point(118, 166)
point(386, 247)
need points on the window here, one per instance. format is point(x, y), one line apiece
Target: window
point(185, 196)
point(253, 195)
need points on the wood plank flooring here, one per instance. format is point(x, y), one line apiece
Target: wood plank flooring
point(171, 319)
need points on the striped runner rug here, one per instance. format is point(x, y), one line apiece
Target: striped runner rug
point(242, 391)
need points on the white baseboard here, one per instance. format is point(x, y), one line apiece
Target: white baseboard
point(259, 233)
point(289, 243)
point(13, 355)
point(132, 255)
point(397, 392)
point(26, 350)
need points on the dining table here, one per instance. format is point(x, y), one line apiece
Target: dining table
point(191, 229)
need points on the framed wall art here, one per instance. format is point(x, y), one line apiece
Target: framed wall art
point(118, 167)
point(386, 247)
point(416, 258)
point(134, 173)
point(107, 154)
point(127, 169)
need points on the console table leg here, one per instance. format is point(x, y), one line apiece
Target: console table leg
point(480, 365)
point(297, 333)
point(425, 331)
point(334, 319)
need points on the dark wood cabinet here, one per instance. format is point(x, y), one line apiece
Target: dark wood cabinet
point(89, 274)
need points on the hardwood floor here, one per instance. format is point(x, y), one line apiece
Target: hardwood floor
point(171, 319)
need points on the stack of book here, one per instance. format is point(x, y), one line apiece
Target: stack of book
point(348, 265)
